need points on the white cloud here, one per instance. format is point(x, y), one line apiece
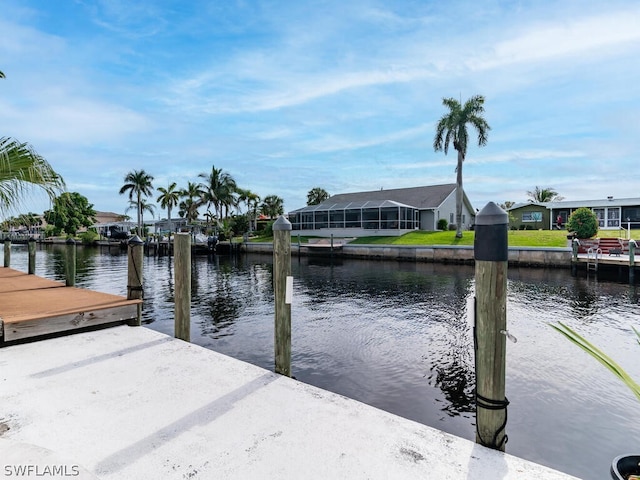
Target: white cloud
point(569, 37)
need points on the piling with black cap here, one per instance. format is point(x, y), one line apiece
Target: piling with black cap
point(282, 271)
point(70, 262)
point(135, 251)
point(490, 325)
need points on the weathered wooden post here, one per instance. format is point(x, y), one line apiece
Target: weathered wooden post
point(182, 256)
point(7, 252)
point(632, 260)
point(281, 280)
point(32, 255)
point(491, 262)
point(70, 262)
point(575, 245)
point(134, 274)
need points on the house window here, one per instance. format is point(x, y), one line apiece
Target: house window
point(451, 218)
point(463, 219)
point(531, 216)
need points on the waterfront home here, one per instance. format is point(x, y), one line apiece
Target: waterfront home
point(382, 212)
point(612, 213)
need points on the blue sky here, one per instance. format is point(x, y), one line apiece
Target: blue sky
point(290, 95)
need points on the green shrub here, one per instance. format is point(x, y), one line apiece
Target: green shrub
point(583, 222)
point(88, 237)
point(443, 224)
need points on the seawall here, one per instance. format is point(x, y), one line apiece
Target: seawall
point(559, 257)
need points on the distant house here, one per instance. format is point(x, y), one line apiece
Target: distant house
point(612, 213)
point(382, 212)
point(107, 223)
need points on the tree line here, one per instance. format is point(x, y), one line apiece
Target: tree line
point(217, 192)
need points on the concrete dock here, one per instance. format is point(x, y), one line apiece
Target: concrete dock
point(132, 403)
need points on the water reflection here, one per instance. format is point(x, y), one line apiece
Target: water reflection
point(399, 336)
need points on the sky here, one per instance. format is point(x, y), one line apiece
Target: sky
point(286, 96)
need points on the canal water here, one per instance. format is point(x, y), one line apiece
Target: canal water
point(398, 336)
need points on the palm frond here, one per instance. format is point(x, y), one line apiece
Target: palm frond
point(22, 170)
point(599, 355)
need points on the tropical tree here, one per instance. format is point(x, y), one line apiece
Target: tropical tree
point(218, 189)
point(316, 196)
point(452, 128)
point(541, 195)
point(21, 171)
point(251, 200)
point(188, 208)
point(142, 207)
point(138, 184)
point(169, 197)
point(272, 206)
point(71, 211)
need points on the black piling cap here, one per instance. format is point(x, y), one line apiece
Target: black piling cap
point(491, 239)
point(135, 240)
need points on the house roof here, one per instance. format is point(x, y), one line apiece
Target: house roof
point(614, 202)
point(423, 198)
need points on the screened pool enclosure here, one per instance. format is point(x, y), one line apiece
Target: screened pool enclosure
point(367, 215)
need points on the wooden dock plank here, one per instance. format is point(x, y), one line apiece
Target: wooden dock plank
point(32, 306)
point(20, 281)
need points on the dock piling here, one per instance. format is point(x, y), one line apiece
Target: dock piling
point(32, 256)
point(7, 252)
point(490, 326)
point(134, 273)
point(281, 273)
point(182, 256)
point(70, 262)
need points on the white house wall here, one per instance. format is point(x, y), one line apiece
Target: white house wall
point(448, 208)
point(427, 220)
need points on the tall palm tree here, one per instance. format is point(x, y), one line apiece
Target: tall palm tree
point(272, 206)
point(169, 197)
point(139, 184)
point(193, 199)
point(251, 200)
point(452, 128)
point(218, 189)
point(541, 195)
point(316, 196)
point(21, 171)
point(142, 207)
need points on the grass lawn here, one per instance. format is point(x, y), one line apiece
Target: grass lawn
point(517, 238)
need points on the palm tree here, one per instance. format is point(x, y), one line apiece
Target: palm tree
point(138, 184)
point(142, 207)
point(193, 200)
point(272, 206)
point(452, 127)
point(22, 170)
point(251, 200)
point(316, 196)
point(218, 189)
point(541, 195)
point(169, 197)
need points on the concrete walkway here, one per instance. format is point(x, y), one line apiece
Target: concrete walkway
point(131, 403)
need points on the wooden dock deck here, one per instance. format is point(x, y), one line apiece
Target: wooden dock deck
point(32, 306)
